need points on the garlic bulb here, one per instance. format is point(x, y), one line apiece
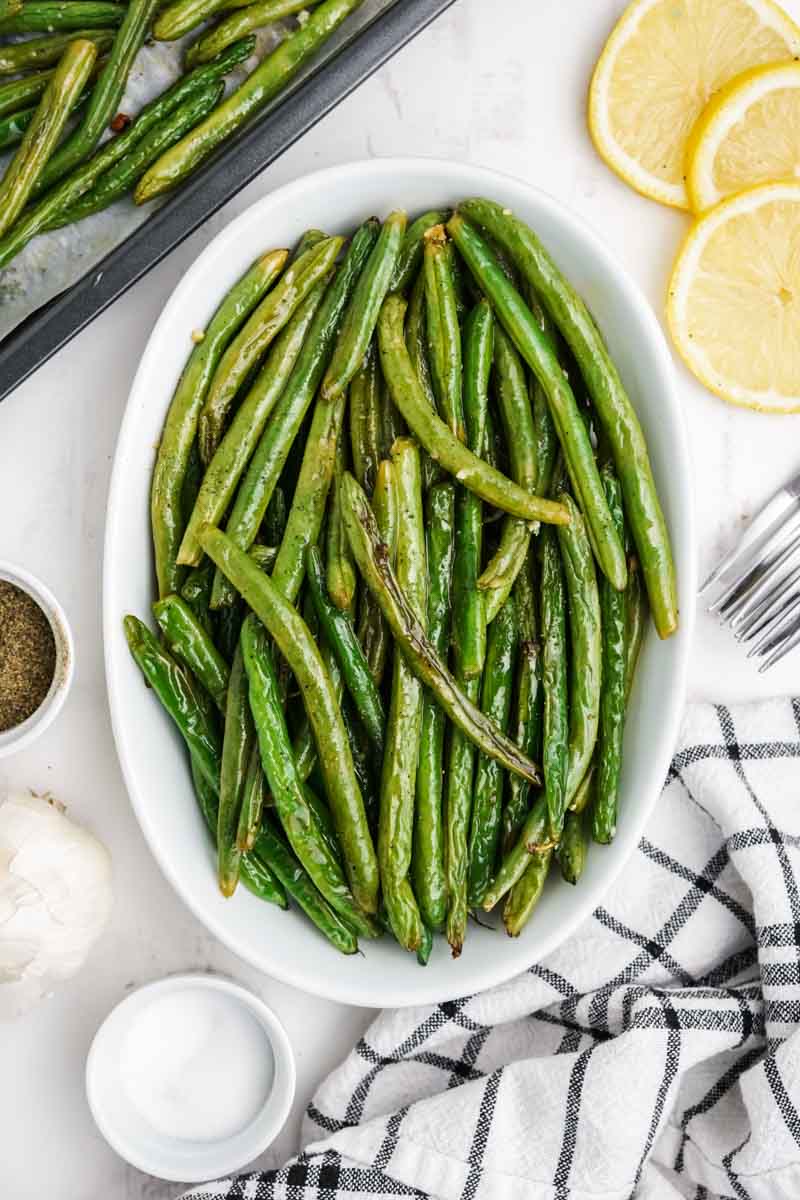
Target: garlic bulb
point(55, 898)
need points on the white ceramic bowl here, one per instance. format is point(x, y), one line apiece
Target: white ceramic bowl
point(14, 739)
point(153, 761)
point(134, 1134)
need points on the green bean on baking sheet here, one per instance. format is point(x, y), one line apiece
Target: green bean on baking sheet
point(41, 136)
point(39, 216)
point(264, 83)
point(106, 95)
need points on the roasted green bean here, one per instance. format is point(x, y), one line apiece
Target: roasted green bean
point(45, 128)
point(40, 216)
point(585, 645)
point(253, 872)
point(526, 726)
point(270, 76)
point(179, 18)
point(516, 414)
point(469, 613)
point(583, 797)
point(44, 51)
point(555, 723)
point(353, 664)
point(288, 792)
point(444, 334)
point(270, 849)
point(237, 746)
point(428, 855)
point(365, 420)
point(538, 352)
point(612, 695)
point(417, 346)
point(373, 632)
point(409, 634)
point(617, 415)
point(487, 793)
point(107, 93)
point(281, 430)
point(409, 259)
point(457, 813)
point(340, 571)
point(468, 633)
point(574, 845)
point(437, 439)
point(255, 337)
point(180, 426)
point(12, 127)
point(231, 456)
point(526, 893)
point(52, 16)
point(361, 317)
point(532, 840)
point(190, 642)
point(181, 697)
point(248, 19)
point(396, 815)
point(120, 178)
point(254, 801)
point(306, 515)
point(17, 94)
point(297, 646)
point(635, 622)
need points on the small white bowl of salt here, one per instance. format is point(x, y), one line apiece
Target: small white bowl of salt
point(190, 1078)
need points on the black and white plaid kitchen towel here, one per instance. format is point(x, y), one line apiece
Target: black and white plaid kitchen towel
point(656, 1054)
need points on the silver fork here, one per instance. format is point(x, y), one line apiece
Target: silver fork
point(758, 582)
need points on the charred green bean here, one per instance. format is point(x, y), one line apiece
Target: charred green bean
point(409, 634)
point(437, 439)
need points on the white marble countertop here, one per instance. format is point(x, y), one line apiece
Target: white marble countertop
point(503, 85)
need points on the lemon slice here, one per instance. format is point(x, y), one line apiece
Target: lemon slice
point(734, 298)
point(748, 134)
point(662, 63)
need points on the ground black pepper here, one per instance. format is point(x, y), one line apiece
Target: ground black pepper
point(27, 655)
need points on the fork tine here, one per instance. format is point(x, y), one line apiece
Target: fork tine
point(751, 596)
point(747, 622)
point(765, 557)
point(774, 511)
point(729, 595)
point(776, 631)
point(784, 648)
point(770, 613)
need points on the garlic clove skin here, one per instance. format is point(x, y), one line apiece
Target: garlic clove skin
point(55, 898)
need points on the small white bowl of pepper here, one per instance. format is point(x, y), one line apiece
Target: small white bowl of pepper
point(36, 658)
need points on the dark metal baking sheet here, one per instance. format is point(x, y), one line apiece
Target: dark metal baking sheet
point(386, 26)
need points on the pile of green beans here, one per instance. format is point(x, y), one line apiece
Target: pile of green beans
point(63, 99)
point(367, 666)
